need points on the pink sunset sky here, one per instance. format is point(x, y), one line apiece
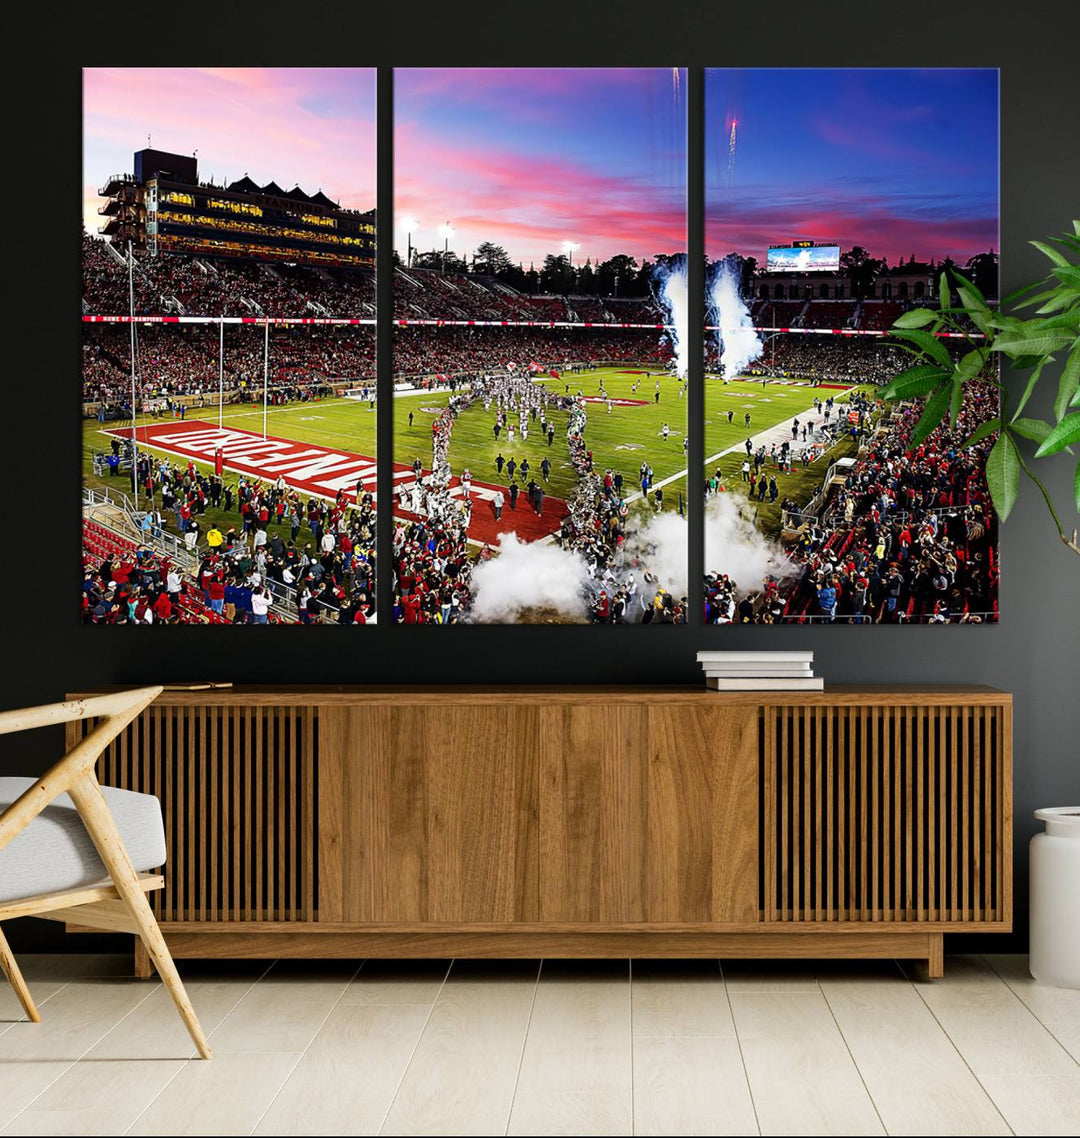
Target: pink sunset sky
point(309, 126)
point(531, 157)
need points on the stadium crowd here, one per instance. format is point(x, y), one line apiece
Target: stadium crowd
point(178, 283)
point(910, 537)
point(426, 351)
point(182, 360)
point(203, 286)
point(823, 359)
point(255, 548)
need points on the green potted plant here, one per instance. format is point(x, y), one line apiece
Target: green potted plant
point(1050, 334)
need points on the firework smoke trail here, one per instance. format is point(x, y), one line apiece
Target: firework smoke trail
point(731, 154)
point(672, 296)
point(676, 84)
point(739, 341)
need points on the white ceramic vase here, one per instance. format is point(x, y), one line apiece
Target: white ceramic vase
point(1055, 898)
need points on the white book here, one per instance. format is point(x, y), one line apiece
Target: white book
point(815, 683)
point(755, 667)
point(755, 657)
point(774, 672)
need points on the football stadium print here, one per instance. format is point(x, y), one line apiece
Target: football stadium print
point(228, 322)
point(836, 202)
point(540, 453)
point(540, 345)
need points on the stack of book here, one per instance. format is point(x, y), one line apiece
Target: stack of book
point(760, 671)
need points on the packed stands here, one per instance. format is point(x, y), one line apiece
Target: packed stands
point(203, 286)
point(182, 360)
point(422, 351)
point(777, 313)
point(910, 537)
point(830, 314)
point(879, 314)
point(123, 582)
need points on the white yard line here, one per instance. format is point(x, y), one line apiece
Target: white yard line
point(778, 432)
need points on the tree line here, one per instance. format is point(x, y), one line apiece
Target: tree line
point(620, 275)
point(626, 276)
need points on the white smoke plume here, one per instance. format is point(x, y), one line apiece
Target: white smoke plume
point(660, 546)
point(673, 298)
point(528, 577)
point(733, 545)
point(739, 341)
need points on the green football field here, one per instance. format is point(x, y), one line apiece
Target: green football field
point(627, 436)
point(621, 439)
point(768, 406)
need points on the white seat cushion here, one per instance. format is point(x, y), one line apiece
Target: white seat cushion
point(55, 852)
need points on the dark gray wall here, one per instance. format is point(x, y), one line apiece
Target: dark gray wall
point(1033, 652)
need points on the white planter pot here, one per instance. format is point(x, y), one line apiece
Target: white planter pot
point(1055, 898)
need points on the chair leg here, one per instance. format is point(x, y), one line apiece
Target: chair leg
point(15, 979)
point(106, 838)
point(143, 970)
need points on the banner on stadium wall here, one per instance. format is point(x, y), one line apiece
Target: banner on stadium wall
point(490, 324)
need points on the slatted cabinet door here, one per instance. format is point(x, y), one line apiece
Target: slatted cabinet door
point(887, 813)
point(238, 791)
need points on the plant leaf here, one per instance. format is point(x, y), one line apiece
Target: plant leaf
point(1064, 434)
point(1016, 294)
point(1022, 363)
point(970, 285)
point(933, 413)
point(931, 346)
point(982, 431)
point(1039, 297)
point(1067, 274)
point(1069, 383)
point(1057, 257)
point(916, 318)
point(1003, 474)
point(1062, 298)
point(1034, 429)
point(1065, 322)
point(918, 380)
point(971, 364)
point(1031, 342)
point(1032, 380)
point(956, 400)
point(975, 309)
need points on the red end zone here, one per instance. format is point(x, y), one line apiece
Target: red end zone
point(323, 471)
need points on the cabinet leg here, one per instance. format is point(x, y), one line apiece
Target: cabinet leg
point(143, 970)
point(935, 963)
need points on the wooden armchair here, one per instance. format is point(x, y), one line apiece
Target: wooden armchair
point(55, 873)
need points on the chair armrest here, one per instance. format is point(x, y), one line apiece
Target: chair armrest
point(116, 712)
point(26, 718)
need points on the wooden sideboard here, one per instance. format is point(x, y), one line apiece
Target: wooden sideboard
point(588, 821)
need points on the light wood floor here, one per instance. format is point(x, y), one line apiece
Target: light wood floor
point(564, 1048)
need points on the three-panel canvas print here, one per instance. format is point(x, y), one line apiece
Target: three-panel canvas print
point(542, 332)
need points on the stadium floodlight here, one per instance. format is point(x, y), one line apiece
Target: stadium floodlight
point(446, 231)
point(570, 248)
point(410, 225)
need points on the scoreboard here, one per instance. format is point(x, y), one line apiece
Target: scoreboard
point(803, 256)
